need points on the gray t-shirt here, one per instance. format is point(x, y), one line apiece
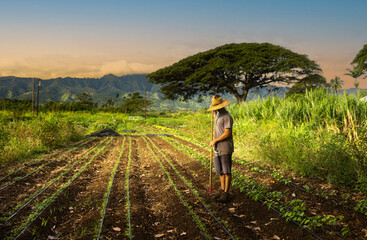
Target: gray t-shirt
point(223, 121)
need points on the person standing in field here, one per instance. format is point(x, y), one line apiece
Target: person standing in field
point(223, 146)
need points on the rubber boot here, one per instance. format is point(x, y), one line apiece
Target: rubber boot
point(224, 198)
point(218, 195)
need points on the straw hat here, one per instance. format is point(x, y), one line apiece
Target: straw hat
point(218, 103)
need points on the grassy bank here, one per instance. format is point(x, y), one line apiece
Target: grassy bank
point(317, 135)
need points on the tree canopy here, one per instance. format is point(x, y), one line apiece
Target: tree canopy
point(361, 58)
point(84, 102)
point(232, 68)
point(336, 84)
point(310, 82)
point(134, 103)
point(355, 73)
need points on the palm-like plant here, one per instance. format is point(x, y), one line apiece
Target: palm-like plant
point(355, 73)
point(356, 84)
point(336, 83)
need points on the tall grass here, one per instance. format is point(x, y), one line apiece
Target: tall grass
point(318, 134)
point(25, 136)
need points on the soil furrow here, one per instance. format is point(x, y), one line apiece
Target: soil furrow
point(165, 215)
point(347, 217)
point(37, 182)
point(22, 170)
point(241, 211)
point(114, 221)
point(213, 227)
point(75, 213)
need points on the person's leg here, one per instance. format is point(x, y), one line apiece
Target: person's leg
point(222, 182)
point(218, 170)
point(227, 181)
point(226, 161)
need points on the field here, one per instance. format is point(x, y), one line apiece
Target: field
point(152, 182)
point(144, 186)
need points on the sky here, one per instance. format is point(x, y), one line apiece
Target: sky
point(92, 38)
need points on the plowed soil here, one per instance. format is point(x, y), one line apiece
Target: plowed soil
point(167, 191)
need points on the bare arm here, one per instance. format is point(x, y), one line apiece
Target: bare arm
point(226, 134)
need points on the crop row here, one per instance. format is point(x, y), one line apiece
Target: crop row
point(36, 161)
point(128, 231)
point(193, 214)
point(18, 231)
point(359, 205)
point(293, 210)
point(194, 191)
point(7, 184)
point(18, 169)
point(108, 191)
point(34, 195)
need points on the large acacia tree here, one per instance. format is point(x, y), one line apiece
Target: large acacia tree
point(232, 68)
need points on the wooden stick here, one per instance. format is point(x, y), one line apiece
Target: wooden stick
point(211, 157)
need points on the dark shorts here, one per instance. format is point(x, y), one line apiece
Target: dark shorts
point(223, 163)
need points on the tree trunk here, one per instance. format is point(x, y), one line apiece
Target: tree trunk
point(242, 98)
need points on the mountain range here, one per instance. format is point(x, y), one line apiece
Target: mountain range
point(106, 87)
point(67, 89)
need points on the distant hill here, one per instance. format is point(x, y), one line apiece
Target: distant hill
point(66, 89)
point(104, 88)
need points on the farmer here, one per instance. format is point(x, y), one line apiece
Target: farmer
point(223, 146)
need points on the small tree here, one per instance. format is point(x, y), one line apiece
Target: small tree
point(336, 84)
point(355, 73)
point(134, 103)
point(117, 98)
point(310, 82)
point(84, 102)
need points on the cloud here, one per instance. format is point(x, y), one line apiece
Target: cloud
point(52, 66)
point(122, 67)
point(63, 65)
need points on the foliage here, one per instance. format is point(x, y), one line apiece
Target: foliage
point(15, 105)
point(310, 82)
point(134, 103)
point(361, 58)
point(234, 69)
point(355, 73)
point(336, 84)
point(84, 102)
point(23, 138)
point(320, 135)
